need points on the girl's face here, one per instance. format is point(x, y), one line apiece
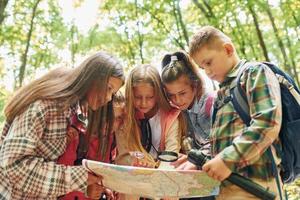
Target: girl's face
point(144, 97)
point(181, 92)
point(95, 96)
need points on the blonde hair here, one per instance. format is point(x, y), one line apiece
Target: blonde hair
point(68, 86)
point(141, 74)
point(172, 70)
point(208, 36)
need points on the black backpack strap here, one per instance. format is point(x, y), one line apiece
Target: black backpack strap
point(239, 97)
point(236, 91)
point(241, 106)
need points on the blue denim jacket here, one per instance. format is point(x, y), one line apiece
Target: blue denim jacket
point(200, 116)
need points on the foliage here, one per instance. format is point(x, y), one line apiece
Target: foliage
point(142, 31)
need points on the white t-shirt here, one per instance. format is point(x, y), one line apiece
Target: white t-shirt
point(156, 133)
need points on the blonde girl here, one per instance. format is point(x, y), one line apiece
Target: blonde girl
point(147, 104)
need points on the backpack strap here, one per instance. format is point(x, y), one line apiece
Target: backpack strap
point(283, 81)
point(238, 95)
point(241, 106)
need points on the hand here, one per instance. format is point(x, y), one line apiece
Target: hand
point(216, 169)
point(95, 190)
point(182, 158)
point(117, 195)
point(84, 107)
point(141, 163)
point(110, 195)
point(187, 165)
point(92, 179)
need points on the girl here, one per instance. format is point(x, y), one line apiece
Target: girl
point(94, 152)
point(35, 132)
point(184, 87)
point(151, 123)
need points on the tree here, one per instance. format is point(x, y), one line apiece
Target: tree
point(28, 40)
point(3, 4)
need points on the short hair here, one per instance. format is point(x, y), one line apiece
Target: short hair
point(206, 36)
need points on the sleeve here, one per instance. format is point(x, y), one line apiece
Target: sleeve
point(263, 93)
point(172, 142)
point(29, 173)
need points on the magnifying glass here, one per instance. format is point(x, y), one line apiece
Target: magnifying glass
point(166, 156)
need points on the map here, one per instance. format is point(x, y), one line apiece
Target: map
point(154, 183)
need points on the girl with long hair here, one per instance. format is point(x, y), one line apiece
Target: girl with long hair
point(152, 125)
point(37, 120)
point(185, 88)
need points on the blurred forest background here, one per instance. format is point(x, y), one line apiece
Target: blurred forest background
point(36, 35)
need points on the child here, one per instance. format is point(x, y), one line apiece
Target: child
point(70, 155)
point(185, 88)
point(151, 124)
point(236, 147)
point(35, 133)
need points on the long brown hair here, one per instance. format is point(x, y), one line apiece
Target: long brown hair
point(68, 86)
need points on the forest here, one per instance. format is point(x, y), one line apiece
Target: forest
point(38, 35)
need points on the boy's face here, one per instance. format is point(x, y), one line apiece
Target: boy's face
point(216, 62)
point(181, 92)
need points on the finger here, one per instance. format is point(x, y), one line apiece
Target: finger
point(210, 173)
point(205, 167)
point(215, 176)
point(181, 167)
point(92, 179)
point(117, 196)
point(109, 193)
point(180, 160)
point(220, 178)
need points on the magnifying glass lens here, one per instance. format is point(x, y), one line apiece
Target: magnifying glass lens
point(167, 156)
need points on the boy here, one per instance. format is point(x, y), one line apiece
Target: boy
point(236, 147)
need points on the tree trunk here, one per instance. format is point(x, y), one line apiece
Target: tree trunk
point(182, 24)
point(259, 33)
point(140, 37)
point(208, 13)
point(164, 27)
point(237, 32)
point(24, 56)
point(279, 40)
point(203, 10)
point(128, 44)
point(3, 4)
point(74, 46)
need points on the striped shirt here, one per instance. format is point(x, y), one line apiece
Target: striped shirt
point(243, 148)
point(29, 148)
